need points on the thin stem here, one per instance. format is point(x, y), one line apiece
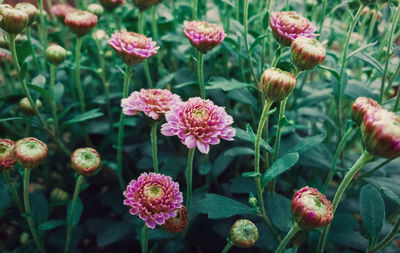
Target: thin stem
point(265, 28)
point(227, 247)
point(287, 5)
point(78, 73)
point(70, 217)
point(153, 138)
point(277, 55)
point(391, 79)
point(200, 74)
point(237, 10)
point(195, 5)
point(29, 218)
point(145, 62)
point(42, 28)
point(363, 160)
point(282, 109)
point(388, 238)
point(13, 191)
point(295, 228)
point(322, 19)
point(53, 100)
point(373, 22)
point(246, 42)
point(29, 34)
point(189, 177)
point(155, 35)
point(144, 240)
point(387, 57)
point(342, 70)
point(339, 150)
point(120, 139)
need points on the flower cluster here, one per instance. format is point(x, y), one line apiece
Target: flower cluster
point(154, 197)
point(203, 35)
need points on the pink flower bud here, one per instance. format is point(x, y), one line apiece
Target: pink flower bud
point(80, 22)
point(361, 106)
point(311, 209)
point(307, 53)
point(243, 233)
point(111, 4)
point(178, 223)
point(7, 157)
point(276, 84)
point(145, 4)
point(85, 161)
point(30, 9)
point(30, 152)
point(203, 36)
point(13, 20)
point(61, 10)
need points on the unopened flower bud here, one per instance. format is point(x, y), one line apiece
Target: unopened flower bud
point(26, 107)
point(244, 234)
point(30, 9)
point(59, 196)
point(361, 106)
point(56, 54)
point(178, 223)
point(311, 209)
point(80, 22)
point(276, 84)
point(111, 4)
point(144, 4)
point(61, 10)
point(203, 35)
point(253, 202)
point(30, 152)
point(7, 157)
point(13, 21)
point(307, 53)
point(96, 9)
point(85, 161)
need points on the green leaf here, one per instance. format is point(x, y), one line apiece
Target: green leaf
point(4, 195)
point(391, 195)
point(41, 90)
point(278, 210)
point(77, 214)
point(372, 208)
point(39, 207)
point(39, 80)
point(250, 137)
point(251, 174)
point(331, 70)
point(204, 165)
point(215, 206)
point(226, 85)
point(239, 151)
point(361, 49)
point(114, 231)
point(51, 224)
point(370, 60)
point(307, 143)
point(84, 116)
point(279, 166)
point(257, 41)
point(13, 118)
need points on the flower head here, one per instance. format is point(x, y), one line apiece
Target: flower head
point(145, 4)
point(152, 102)
point(361, 106)
point(132, 47)
point(99, 35)
point(276, 84)
point(198, 122)
point(7, 157)
point(61, 10)
point(381, 131)
point(289, 25)
point(178, 223)
point(307, 53)
point(311, 209)
point(13, 20)
point(26, 107)
point(111, 4)
point(154, 197)
point(30, 9)
point(80, 22)
point(96, 9)
point(244, 234)
point(203, 36)
point(56, 54)
point(85, 161)
point(30, 152)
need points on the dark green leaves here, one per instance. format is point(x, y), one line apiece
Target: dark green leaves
point(215, 206)
point(281, 165)
point(95, 113)
point(74, 220)
point(307, 143)
point(51, 224)
point(226, 85)
point(372, 211)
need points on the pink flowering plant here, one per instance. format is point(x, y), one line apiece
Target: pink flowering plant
point(179, 126)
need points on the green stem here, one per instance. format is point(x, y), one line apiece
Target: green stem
point(282, 109)
point(189, 178)
point(322, 19)
point(388, 238)
point(29, 34)
point(287, 5)
point(264, 31)
point(13, 191)
point(53, 100)
point(42, 28)
point(144, 240)
point(227, 247)
point(153, 138)
point(78, 74)
point(120, 139)
point(29, 218)
point(391, 79)
point(363, 160)
point(145, 62)
point(339, 150)
point(246, 42)
point(342, 69)
point(396, 103)
point(295, 228)
point(155, 35)
point(373, 22)
point(387, 57)
point(277, 55)
point(200, 74)
point(195, 5)
point(237, 10)
point(70, 217)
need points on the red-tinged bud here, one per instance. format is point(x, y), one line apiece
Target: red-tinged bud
point(311, 209)
point(56, 54)
point(80, 22)
point(276, 84)
point(30, 152)
point(243, 233)
point(61, 10)
point(145, 4)
point(13, 21)
point(178, 223)
point(307, 53)
point(30, 9)
point(7, 157)
point(85, 161)
point(203, 35)
point(361, 106)
point(26, 107)
point(111, 4)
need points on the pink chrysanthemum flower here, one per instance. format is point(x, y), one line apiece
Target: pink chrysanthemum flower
point(289, 25)
point(200, 123)
point(203, 36)
point(154, 197)
point(132, 47)
point(361, 106)
point(152, 102)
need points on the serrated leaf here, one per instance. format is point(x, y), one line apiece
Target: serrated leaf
point(372, 208)
point(307, 143)
point(215, 206)
point(279, 166)
point(51, 224)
